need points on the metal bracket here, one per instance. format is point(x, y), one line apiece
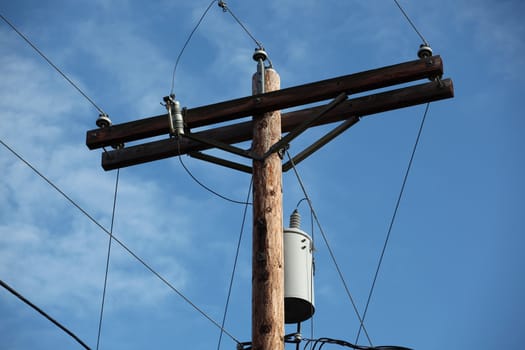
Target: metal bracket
point(285, 141)
point(319, 143)
point(223, 146)
point(279, 147)
point(222, 162)
point(244, 346)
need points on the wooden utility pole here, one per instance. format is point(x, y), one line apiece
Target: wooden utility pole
point(267, 258)
point(265, 131)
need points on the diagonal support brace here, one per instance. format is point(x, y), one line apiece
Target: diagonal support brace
point(278, 146)
point(223, 146)
point(320, 143)
point(222, 162)
point(282, 144)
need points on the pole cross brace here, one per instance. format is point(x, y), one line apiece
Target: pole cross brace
point(283, 143)
point(281, 146)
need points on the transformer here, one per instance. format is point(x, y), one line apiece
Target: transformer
point(298, 273)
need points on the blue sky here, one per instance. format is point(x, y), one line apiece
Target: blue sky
point(452, 276)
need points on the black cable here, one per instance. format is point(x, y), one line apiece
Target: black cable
point(299, 203)
point(43, 313)
point(52, 64)
point(312, 231)
point(107, 259)
point(237, 250)
point(203, 185)
point(411, 23)
point(186, 44)
point(225, 8)
point(133, 254)
point(392, 220)
point(328, 246)
point(323, 341)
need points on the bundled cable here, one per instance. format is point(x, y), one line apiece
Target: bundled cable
point(319, 343)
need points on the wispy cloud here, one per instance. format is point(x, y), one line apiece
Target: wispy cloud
point(48, 249)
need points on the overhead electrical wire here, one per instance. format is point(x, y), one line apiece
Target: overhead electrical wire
point(237, 250)
point(331, 253)
point(392, 220)
point(52, 64)
point(312, 234)
point(110, 233)
point(319, 343)
point(43, 313)
point(225, 8)
point(108, 258)
point(124, 246)
point(203, 185)
point(410, 22)
point(186, 44)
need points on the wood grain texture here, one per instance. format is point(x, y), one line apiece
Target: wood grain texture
point(360, 106)
point(267, 258)
point(270, 101)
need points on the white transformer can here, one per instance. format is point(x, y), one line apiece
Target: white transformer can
point(298, 273)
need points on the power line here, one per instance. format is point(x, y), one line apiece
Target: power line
point(186, 44)
point(392, 220)
point(312, 231)
point(203, 185)
point(133, 254)
point(410, 22)
point(332, 255)
point(237, 250)
point(108, 258)
point(225, 8)
point(43, 313)
point(319, 343)
point(52, 64)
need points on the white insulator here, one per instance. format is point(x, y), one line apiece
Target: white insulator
point(295, 219)
point(178, 122)
point(298, 273)
point(424, 51)
point(103, 121)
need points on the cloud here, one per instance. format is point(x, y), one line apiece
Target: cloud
point(48, 250)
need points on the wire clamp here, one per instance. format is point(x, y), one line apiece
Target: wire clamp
point(244, 346)
point(176, 122)
point(294, 338)
point(223, 6)
point(118, 146)
point(282, 151)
